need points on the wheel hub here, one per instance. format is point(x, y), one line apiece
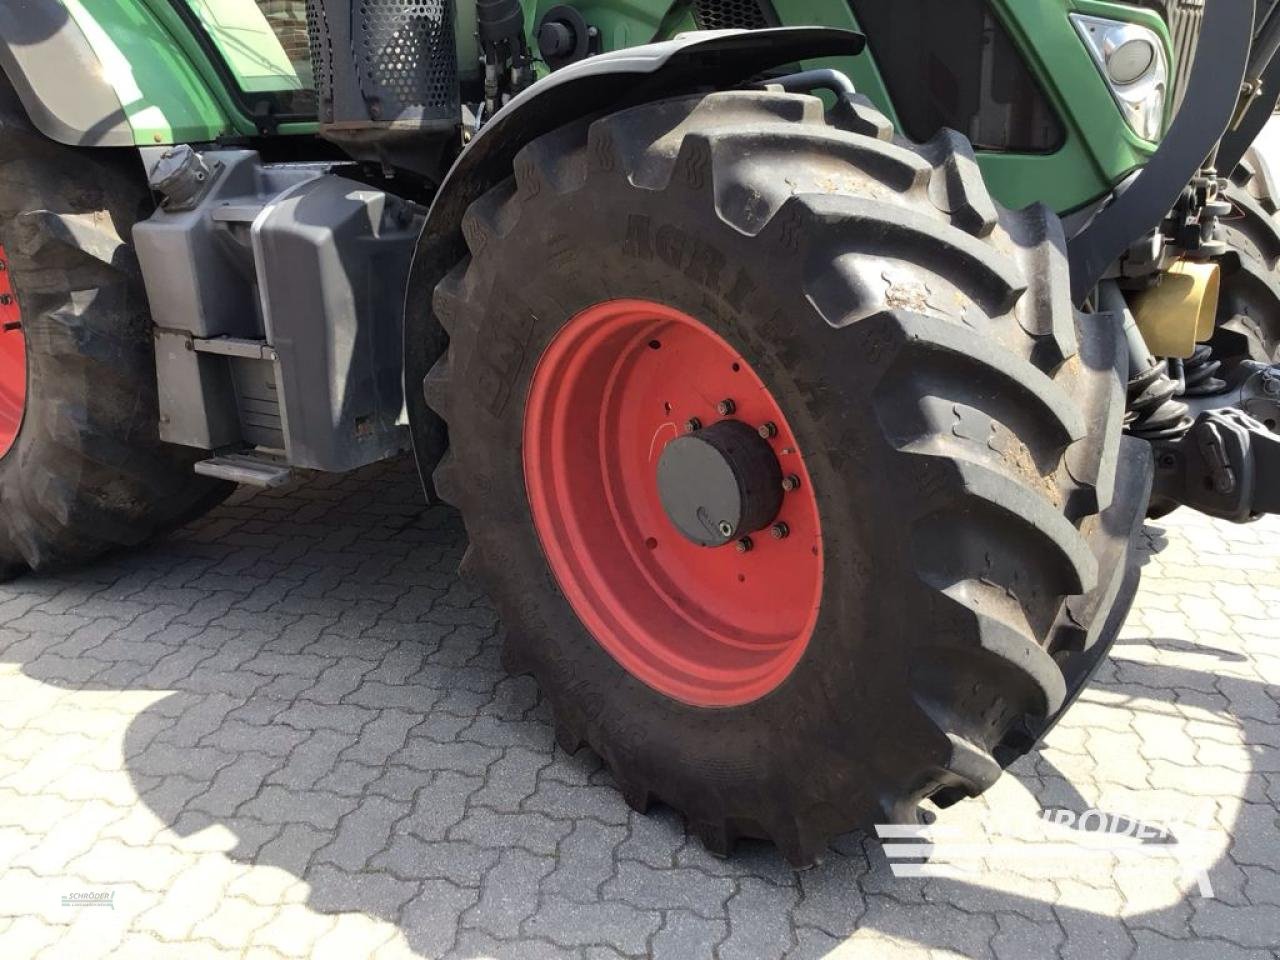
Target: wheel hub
point(644, 514)
point(13, 362)
point(720, 484)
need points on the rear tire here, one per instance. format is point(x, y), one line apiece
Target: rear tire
point(86, 470)
point(960, 424)
point(1248, 320)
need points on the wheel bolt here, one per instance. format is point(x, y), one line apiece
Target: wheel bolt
point(744, 545)
point(779, 531)
point(692, 424)
point(726, 407)
point(790, 482)
point(768, 431)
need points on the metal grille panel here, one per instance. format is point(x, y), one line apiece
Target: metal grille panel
point(729, 15)
point(406, 51)
point(384, 60)
point(1184, 18)
point(321, 57)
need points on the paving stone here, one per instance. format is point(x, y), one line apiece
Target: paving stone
point(654, 837)
point(234, 784)
point(535, 832)
point(511, 779)
point(585, 860)
point(275, 804)
point(439, 805)
point(197, 763)
point(457, 861)
point(1248, 926)
point(292, 931)
point(363, 832)
point(759, 923)
point(1153, 946)
point(814, 944)
point(509, 894)
point(344, 718)
point(469, 758)
point(1018, 938)
point(830, 897)
point(349, 779)
point(577, 924)
point(684, 934)
point(431, 920)
point(369, 891)
point(561, 800)
point(473, 944)
point(382, 737)
point(675, 889)
point(294, 847)
point(314, 756)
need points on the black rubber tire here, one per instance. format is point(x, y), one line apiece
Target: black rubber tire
point(961, 424)
point(87, 471)
point(1248, 321)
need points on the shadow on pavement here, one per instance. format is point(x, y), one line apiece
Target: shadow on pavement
point(332, 695)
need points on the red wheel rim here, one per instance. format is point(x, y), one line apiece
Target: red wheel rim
point(710, 626)
point(13, 362)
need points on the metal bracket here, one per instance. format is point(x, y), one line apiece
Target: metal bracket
point(235, 347)
point(1227, 465)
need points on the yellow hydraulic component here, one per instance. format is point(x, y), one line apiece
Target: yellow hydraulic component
point(1179, 311)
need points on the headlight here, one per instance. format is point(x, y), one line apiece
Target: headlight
point(1132, 61)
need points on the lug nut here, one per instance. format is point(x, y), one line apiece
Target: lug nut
point(790, 482)
point(768, 431)
point(726, 407)
point(779, 531)
point(692, 424)
point(744, 545)
point(726, 528)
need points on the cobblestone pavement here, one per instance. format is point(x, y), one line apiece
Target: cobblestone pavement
point(284, 732)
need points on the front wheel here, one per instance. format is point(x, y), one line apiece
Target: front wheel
point(778, 446)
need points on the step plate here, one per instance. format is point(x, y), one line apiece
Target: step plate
point(239, 468)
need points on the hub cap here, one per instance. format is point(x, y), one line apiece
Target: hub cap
point(13, 362)
point(672, 503)
point(719, 483)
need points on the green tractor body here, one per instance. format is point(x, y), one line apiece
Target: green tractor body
point(198, 72)
point(803, 369)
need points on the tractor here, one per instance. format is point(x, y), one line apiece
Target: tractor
point(803, 370)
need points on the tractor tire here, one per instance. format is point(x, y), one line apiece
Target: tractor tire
point(1248, 320)
point(82, 467)
point(947, 426)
